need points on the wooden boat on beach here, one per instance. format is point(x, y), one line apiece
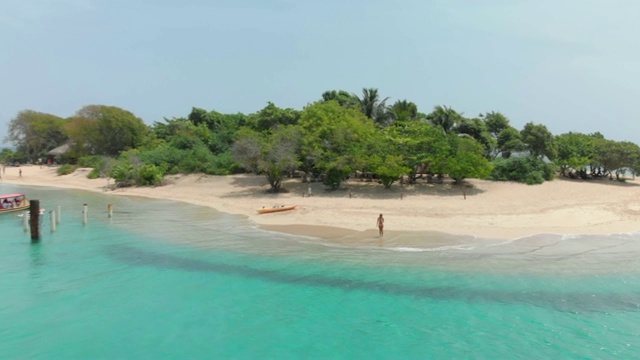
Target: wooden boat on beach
point(13, 202)
point(276, 208)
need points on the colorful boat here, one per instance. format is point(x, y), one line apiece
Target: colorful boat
point(13, 202)
point(276, 208)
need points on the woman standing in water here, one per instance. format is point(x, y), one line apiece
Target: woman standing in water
point(380, 224)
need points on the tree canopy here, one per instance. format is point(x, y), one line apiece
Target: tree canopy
point(33, 133)
point(335, 140)
point(106, 130)
point(340, 135)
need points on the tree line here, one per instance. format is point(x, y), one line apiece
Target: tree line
point(332, 138)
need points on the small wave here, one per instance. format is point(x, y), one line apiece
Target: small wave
point(463, 247)
point(505, 242)
point(570, 237)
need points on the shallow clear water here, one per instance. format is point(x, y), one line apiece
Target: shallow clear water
point(168, 280)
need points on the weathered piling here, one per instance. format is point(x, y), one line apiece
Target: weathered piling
point(85, 211)
point(25, 220)
point(110, 210)
point(52, 216)
point(34, 220)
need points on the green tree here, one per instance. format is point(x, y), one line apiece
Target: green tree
point(575, 151)
point(468, 160)
point(247, 149)
point(334, 140)
point(201, 116)
point(374, 108)
point(539, 141)
point(7, 156)
point(272, 153)
point(404, 110)
point(280, 155)
point(525, 169)
point(272, 116)
point(477, 129)
point(190, 136)
point(509, 141)
point(106, 130)
point(422, 145)
point(617, 156)
point(444, 117)
point(388, 168)
point(222, 127)
point(34, 133)
point(82, 133)
point(343, 97)
point(170, 127)
point(495, 122)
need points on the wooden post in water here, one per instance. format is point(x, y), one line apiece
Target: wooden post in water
point(85, 210)
point(59, 215)
point(110, 210)
point(52, 215)
point(34, 220)
point(25, 220)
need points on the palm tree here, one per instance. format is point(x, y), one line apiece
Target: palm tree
point(444, 117)
point(373, 108)
point(404, 110)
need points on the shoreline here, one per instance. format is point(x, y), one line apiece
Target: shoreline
point(498, 210)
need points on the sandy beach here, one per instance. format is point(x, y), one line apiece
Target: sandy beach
point(490, 210)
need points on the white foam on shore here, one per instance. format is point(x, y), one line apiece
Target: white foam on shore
point(466, 247)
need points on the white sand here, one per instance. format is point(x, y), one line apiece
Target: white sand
point(491, 209)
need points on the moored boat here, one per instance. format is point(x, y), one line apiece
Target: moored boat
point(276, 208)
point(13, 202)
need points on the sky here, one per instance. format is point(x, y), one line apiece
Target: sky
point(571, 65)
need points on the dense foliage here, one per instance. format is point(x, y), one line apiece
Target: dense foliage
point(104, 130)
point(339, 136)
point(66, 169)
point(33, 133)
point(526, 169)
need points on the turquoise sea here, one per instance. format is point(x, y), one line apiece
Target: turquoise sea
point(166, 280)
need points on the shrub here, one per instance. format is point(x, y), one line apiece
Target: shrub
point(91, 161)
point(164, 155)
point(529, 170)
point(223, 164)
point(198, 159)
point(534, 178)
point(94, 174)
point(66, 169)
point(123, 173)
point(150, 175)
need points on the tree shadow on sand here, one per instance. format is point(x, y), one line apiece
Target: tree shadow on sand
point(258, 186)
point(604, 181)
point(374, 190)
